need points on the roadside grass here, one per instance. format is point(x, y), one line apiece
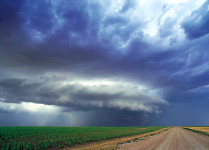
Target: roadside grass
point(145, 137)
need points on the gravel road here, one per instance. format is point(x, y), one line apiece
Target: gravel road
point(175, 138)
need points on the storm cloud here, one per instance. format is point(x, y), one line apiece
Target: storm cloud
point(196, 25)
point(87, 59)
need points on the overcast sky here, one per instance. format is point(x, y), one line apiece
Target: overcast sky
point(104, 63)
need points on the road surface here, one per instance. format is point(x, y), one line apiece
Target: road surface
point(175, 138)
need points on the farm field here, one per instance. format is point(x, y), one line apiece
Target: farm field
point(38, 138)
point(201, 129)
point(112, 144)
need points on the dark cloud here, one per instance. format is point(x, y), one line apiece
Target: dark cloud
point(196, 25)
point(10, 22)
point(82, 57)
point(39, 16)
point(113, 117)
point(127, 5)
point(114, 20)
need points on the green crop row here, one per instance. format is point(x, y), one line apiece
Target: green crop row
point(40, 138)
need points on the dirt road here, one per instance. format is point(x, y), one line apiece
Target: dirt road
point(175, 138)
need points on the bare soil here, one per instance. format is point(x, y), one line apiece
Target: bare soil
point(175, 138)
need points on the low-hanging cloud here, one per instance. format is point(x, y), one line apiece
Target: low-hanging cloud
point(83, 94)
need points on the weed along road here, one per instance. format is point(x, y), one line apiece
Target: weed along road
point(175, 138)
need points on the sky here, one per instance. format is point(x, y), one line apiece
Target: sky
point(104, 63)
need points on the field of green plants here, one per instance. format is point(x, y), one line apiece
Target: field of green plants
point(39, 138)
